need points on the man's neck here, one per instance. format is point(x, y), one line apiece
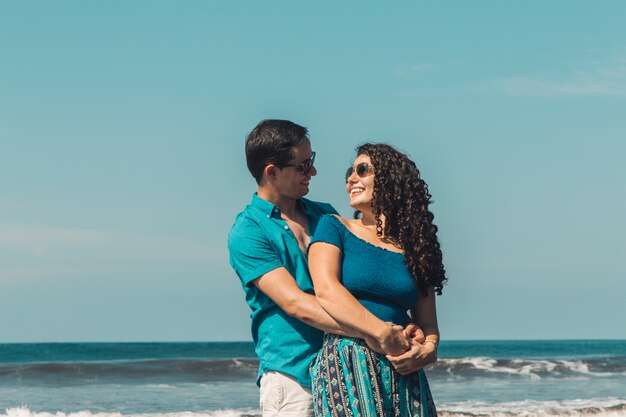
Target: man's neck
point(287, 206)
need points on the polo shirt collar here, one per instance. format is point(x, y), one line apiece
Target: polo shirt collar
point(304, 203)
point(272, 210)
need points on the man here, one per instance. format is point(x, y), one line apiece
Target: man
point(268, 245)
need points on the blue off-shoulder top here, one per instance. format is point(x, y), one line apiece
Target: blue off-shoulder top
point(377, 277)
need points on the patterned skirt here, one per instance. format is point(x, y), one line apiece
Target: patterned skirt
point(351, 380)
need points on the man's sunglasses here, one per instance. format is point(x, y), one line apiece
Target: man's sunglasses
point(362, 170)
point(303, 167)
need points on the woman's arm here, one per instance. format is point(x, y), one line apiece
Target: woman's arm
point(421, 354)
point(425, 316)
point(281, 287)
point(325, 267)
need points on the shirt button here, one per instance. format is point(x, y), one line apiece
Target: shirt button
point(286, 227)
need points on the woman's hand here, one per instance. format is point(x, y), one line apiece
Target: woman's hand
point(392, 340)
point(418, 356)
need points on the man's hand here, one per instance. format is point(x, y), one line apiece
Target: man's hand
point(411, 332)
point(418, 356)
point(414, 332)
point(373, 344)
point(392, 340)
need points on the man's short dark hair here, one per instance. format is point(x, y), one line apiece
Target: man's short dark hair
point(272, 142)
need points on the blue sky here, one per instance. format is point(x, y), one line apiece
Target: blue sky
point(121, 155)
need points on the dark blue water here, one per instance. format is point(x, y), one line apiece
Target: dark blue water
point(75, 352)
point(218, 379)
point(60, 352)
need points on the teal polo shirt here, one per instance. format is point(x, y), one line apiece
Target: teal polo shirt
point(259, 242)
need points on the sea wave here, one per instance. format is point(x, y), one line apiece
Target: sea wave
point(532, 368)
point(194, 370)
point(171, 370)
point(25, 412)
point(598, 407)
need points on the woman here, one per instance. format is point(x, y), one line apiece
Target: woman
point(367, 273)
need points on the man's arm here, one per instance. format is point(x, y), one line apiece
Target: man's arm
point(325, 267)
point(281, 287)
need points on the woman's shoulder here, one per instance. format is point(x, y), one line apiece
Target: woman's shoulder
point(330, 221)
point(331, 217)
point(329, 229)
point(340, 225)
point(337, 221)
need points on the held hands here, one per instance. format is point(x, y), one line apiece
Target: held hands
point(418, 356)
point(406, 349)
point(373, 344)
point(419, 353)
point(392, 340)
point(413, 331)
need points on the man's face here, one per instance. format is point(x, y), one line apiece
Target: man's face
point(291, 182)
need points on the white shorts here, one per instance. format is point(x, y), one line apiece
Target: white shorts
point(282, 396)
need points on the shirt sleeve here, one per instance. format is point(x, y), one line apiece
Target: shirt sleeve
point(329, 230)
point(251, 253)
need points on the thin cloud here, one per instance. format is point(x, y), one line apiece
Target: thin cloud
point(33, 252)
point(36, 239)
point(407, 71)
point(602, 82)
point(417, 92)
point(589, 79)
point(42, 242)
point(27, 272)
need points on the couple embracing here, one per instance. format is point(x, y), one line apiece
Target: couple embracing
point(329, 296)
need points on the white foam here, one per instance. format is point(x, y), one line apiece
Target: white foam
point(595, 407)
point(600, 407)
point(490, 365)
point(25, 412)
point(525, 367)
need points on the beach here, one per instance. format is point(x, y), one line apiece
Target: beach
point(471, 378)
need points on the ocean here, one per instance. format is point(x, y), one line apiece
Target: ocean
point(471, 378)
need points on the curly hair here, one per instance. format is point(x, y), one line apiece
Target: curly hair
point(401, 195)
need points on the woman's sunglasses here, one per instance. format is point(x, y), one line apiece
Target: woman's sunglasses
point(362, 170)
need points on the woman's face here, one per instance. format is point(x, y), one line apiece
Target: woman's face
point(360, 183)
